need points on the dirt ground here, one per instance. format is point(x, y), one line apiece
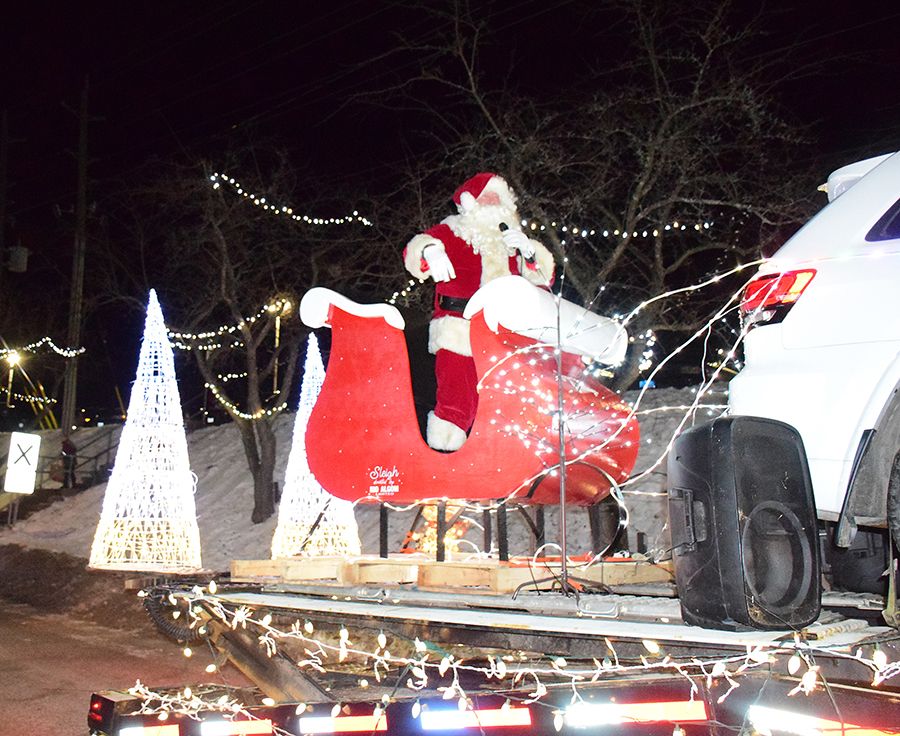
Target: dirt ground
point(66, 631)
point(53, 582)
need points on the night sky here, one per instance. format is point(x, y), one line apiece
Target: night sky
point(165, 77)
point(180, 78)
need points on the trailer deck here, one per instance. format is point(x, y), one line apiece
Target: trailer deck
point(400, 654)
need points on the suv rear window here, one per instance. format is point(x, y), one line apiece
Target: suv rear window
point(888, 227)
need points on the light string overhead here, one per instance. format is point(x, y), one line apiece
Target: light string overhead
point(183, 340)
point(6, 353)
point(606, 232)
point(283, 210)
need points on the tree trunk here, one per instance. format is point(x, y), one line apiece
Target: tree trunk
point(263, 478)
point(259, 447)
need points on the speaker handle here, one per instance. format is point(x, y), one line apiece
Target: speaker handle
point(688, 519)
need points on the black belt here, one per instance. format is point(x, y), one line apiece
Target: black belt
point(452, 303)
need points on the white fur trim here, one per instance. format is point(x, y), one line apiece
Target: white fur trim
point(412, 258)
point(527, 310)
point(443, 435)
point(449, 333)
point(317, 302)
point(466, 202)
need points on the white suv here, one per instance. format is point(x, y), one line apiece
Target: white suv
point(823, 350)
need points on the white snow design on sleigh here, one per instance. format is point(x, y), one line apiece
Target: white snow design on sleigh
point(363, 440)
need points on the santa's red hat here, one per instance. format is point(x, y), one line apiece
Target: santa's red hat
point(467, 194)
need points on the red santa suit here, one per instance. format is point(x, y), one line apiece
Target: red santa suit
point(483, 242)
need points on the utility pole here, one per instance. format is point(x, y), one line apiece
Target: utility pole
point(76, 297)
point(4, 161)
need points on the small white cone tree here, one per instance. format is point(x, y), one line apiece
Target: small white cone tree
point(311, 522)
point(148, 520)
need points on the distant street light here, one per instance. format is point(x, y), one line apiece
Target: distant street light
point(282, 308)
point(13, 358)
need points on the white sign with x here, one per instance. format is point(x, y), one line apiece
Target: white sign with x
point(22, 462)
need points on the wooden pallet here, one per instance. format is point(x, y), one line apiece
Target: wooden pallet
point(395, 570)
point(499, 577)
point(482, 575)
point(286, 570)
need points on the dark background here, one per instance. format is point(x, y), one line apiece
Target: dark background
point(182, 78)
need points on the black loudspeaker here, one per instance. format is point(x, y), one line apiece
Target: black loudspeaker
point(743, 524)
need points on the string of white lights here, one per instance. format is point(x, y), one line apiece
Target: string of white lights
point(182, 340)
point(7, 353)
point(606, 232)
point(26, 398)
point(284, 210)
point(235, 411)
point(217, 179)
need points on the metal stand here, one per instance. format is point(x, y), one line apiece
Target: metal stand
point(568, 584)
point(383, 531)
point(486, 526)
point(440, 552)
point(502, 533)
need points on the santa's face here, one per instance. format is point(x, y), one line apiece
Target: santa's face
point(488, 198)
point(488, 217)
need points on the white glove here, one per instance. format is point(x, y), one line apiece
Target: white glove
point(516, 240)
point(439, 266)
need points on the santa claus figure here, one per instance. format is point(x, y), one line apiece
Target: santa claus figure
point(461, 254)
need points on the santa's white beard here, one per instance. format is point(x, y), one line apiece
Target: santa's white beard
point(480, 227)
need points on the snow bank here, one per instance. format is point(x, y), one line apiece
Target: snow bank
point(224, 494)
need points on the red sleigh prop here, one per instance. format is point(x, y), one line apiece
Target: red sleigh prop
point(363, 440)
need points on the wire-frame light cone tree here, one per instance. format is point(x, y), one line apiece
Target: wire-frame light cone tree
point(311, 522)
point(148, 520)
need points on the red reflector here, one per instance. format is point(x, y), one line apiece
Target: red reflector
point(445, 720)
point(777, 289)
point(170, 729)
point(585, 714)
point(235, 728)
point(786, 721)
point(342, 724)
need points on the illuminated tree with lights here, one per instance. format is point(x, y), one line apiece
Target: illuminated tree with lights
point(148, 520)
point(311, 522)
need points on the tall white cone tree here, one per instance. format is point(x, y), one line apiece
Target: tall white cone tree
point(149, 521)
point(311, 522)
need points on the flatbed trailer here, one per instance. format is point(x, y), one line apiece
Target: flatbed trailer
point(399, 658)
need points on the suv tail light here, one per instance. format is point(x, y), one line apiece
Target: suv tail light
point(768, 299)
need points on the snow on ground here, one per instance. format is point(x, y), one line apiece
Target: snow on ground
point(224, 495)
